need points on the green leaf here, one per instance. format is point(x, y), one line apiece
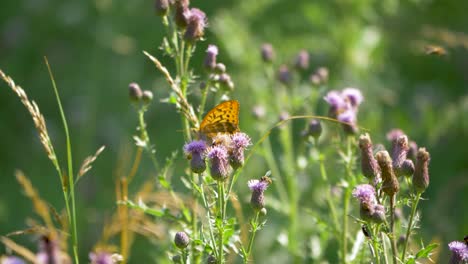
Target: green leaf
point(411, 260)
point(426, 251)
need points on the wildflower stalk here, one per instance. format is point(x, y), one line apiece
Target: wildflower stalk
point(221, 213)
point(146, 139)
point(384, 248)
point(392, 229)
point(71, 181)
point(410, 226)
point(252, 236)
point(210, 228)
point(323, 173)
point(346, 198)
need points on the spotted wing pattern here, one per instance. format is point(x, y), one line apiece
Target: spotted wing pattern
point(223, 118)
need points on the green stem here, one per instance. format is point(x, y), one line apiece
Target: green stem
point(210, 228)
point(384, 248)
point(392, 229)
point(201, 109)
point(70, 169)
point(330, 203)
point(252, 237)
point(272, 164)
point(221, 225)
point(346, 198)
point(410, 224)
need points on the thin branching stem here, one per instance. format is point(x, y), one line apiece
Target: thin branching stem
point(252, 236)
point(410, 226)
point(392, 229)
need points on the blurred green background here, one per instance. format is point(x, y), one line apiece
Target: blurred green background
point(95, 50)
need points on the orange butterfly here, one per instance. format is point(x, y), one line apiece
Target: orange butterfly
point(223, 118)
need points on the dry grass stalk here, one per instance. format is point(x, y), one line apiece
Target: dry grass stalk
point(40, 206)
point(20, 250)
point(36, 115)
point(86, 166)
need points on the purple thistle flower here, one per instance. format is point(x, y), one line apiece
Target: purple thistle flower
point(258, 187)
point(11, 260)
point(365, 193)
point(284, 75)
point(162, 7)
point(48, 251)
point(101, 257)
point(413, 151)
point(302, 60)
point(210, 58)
point(219, 162)
point(336, 102)
point(459, 252)
point(268, 54)
point(348, 116)
point(182, 13)
point(196, 151)
point(353, 95)
point(239, 141)
point(196, 25)
point(378, 216)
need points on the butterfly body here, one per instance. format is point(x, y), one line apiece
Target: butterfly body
point(223, 118)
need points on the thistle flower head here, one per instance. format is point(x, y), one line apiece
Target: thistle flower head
point(162, 7)
point(210, 57)
point(421, 171)
point(407, 168)
point(399, 152)
point(390, 184)
point(353, 96)
point(258, 187)
point(182, 13)
point(147, 97)
point(459, 252)
point(134, 92)
point(11, 260)
point(284, 75)
point(413, 151)
point(196, 25)
point(365, 193)
point(219, 162)
point(268, 54)
point(378, 216)
point(302, 60)
point(181, 240)
point(101, 257)
point(239, 141)
point(336, 102)
point(196, 151)
point(314, 129)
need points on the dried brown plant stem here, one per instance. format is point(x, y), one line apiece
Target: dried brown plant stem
point(22, 251)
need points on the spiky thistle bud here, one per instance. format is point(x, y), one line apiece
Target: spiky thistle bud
point(302, 60)
point(369, 209)
point(219, 162)
point(196, 152)
point(210, 57)
point(134, 92)
point(413, 151)
point(196, 25)
point(268, 54)
point(182, 13)
point(162, 7)
point(459, 252)
point(390, 185)
point(181, 240)
point(421, 171)
point(258, 187)
point(369, 166)
point(399, 151)
point(407, 168)
point(220, 68)
point(239, 142)
point(284, 75)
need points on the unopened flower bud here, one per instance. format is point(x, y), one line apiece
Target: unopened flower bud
point(369, 166)
point(219, 162)
point(399, 152)
point(378, 216)
point(268, 54)
point(182, 13)
point(177, 259)
point(413, 151)
point(162, 7)
point(196, 25)
point(315, 79)
point(147, 97)
point(390, 184)
point(181, 240)
point(407, 168)
point(263, 211)
point(314, 129)
point(421, 171)
point(210, 57)
point(302, 60)
point(220, 68)
point(134, 92)
point(284, 75)
point(322, 72)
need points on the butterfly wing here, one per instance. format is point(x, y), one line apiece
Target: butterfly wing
point(224, 118)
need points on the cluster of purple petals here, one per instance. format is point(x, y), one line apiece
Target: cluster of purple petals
point(365, 193)
point(101, 258)
point(257, 185)
point(344, 104)
point(459, 252)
